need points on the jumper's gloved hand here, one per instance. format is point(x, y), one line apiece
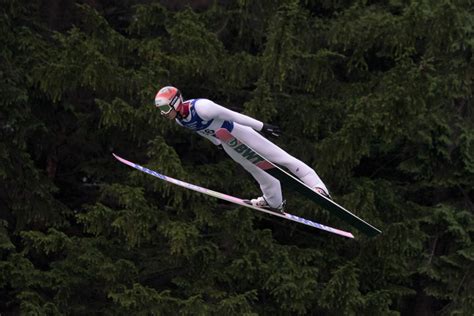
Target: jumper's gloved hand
point(270, 130)
point(220, 147)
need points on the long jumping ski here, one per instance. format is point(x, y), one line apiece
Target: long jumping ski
point(291, 181)
point(233, 199)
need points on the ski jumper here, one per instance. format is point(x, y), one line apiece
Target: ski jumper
point(205, 117)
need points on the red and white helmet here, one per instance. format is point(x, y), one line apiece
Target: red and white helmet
point(168, 98)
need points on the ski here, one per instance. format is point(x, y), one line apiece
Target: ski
point(291, 181)
point(233, 199)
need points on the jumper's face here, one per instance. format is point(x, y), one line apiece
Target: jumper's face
point(171, 115)
point(166, 108)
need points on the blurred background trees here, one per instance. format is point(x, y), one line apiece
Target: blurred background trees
point(375, 95)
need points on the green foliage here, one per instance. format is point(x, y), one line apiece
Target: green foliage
point(341, 294)
point(376, 95)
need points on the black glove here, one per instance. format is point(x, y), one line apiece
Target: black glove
point(270, 130)
point(220, 147)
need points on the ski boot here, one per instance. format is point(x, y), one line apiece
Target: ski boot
point(322, 192)
point(262, 203)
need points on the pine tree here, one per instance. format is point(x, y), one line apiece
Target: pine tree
point(374, 95)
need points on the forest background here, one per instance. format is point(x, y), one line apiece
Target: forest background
point(375, 95)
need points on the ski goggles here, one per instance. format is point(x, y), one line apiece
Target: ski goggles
point(166, 108)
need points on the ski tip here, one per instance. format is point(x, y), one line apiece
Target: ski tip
point(122, 160)
point(117, 157)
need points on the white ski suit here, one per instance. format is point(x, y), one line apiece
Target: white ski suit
point(205, 117)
